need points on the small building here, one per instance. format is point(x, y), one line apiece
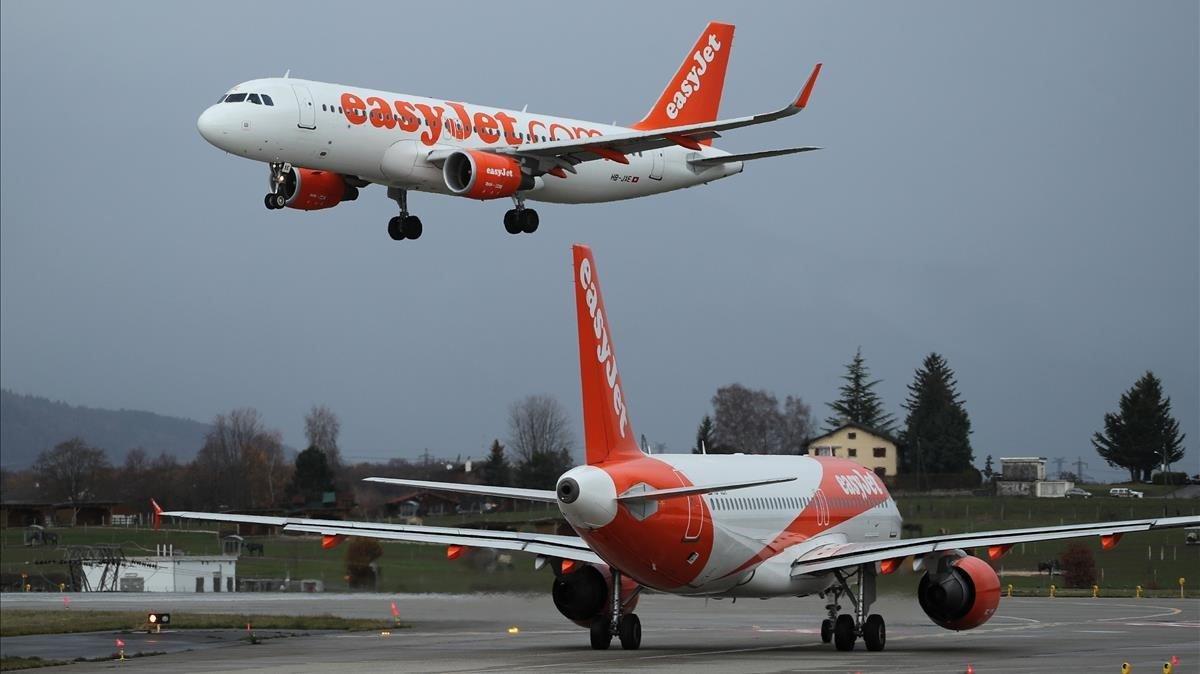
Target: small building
point(872, 448)
point(163, 573)
point(1026, 476)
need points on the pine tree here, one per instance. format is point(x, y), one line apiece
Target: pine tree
point(937, 430)
point(858, 402)
point(496, 469)
point(704, 436)
point(1142, 435)
point(312, 477)
point(988, 468)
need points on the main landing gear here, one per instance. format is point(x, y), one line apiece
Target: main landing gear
point(276, 198)
point(520, 219)
point(403, 226)
point(844, 629)
point(627, 628)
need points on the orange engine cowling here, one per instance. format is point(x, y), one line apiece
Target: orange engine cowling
point(961, 594)
point(483, 175)
point(311, 190)
point(584, 593)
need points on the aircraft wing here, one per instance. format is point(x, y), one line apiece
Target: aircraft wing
point(565, 154)
point(564, 547)
point(842, 555)
point(543, 495)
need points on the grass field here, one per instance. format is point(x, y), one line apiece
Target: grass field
point(1154, 560)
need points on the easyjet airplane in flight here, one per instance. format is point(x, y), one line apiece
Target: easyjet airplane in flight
point(324, 141)
point(715, 526)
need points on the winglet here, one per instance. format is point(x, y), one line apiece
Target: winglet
point(808, 87)
point(158, 511)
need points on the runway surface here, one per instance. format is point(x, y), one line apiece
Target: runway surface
point(470, 634)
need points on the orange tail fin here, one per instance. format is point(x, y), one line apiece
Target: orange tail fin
point(608, 435)
point(694, 94)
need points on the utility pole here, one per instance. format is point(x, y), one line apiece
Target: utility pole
point(1058, 464)
point(1080, 464)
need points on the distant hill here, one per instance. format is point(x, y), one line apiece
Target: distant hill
point(29, 424)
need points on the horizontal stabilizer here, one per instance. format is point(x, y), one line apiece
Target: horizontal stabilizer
point(546, 495)
point(714, 161)
point(674, 492)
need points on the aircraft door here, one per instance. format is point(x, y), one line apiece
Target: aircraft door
point(304, 103)
point(656, 170)
point(695, 521)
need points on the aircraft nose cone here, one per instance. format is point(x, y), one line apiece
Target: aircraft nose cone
point(208, 125)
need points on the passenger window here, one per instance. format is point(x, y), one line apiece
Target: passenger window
point(253, 98)
point(267, 100)
point(235, 98)
point(323, 108)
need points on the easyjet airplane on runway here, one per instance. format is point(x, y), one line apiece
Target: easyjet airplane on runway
point(715, 526)
point(325, 141)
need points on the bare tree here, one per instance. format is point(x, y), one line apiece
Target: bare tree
point(241, 463)
point(72, 471)
point(322, 427)
point(750, 420)
point(537, 424)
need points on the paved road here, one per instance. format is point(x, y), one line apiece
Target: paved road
point(470, 634)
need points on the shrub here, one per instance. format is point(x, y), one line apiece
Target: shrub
point(1169, 478)
point(1078, 566)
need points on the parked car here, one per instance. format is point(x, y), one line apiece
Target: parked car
point(1076, 492)
point(1125, 492)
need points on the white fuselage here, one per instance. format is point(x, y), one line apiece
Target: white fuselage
point(321, 126)
point(744, 540)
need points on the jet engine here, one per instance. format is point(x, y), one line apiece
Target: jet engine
point(310, 190)
point(483, 175)
point(584, 593)
point(961, 594)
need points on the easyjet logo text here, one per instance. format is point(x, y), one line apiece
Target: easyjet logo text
point(859, 484)
point(691, 81)
point(499, 172)
point(604, 353)
point(454, 121)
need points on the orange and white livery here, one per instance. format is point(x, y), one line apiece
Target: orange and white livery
point(716, 526)
point(324, 141)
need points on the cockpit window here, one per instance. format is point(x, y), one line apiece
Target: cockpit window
point(253, 98)
point(235, 98)
point(267, 100)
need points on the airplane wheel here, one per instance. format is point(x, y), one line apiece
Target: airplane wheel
point(826, 631)
point(512, 222)
point(411, 226)
point(269, 202)
point(601, 637)
point(843, 632)
point(529, 221)
point(874, 632)
point(630, 629)
point(279, 199)
point(394, 228)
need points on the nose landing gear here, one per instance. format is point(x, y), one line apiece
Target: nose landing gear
point(403, 226)
point(276, 197)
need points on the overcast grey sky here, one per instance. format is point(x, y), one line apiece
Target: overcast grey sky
point(1013, 185)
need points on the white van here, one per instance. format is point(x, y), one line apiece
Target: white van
point(1125, 492)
